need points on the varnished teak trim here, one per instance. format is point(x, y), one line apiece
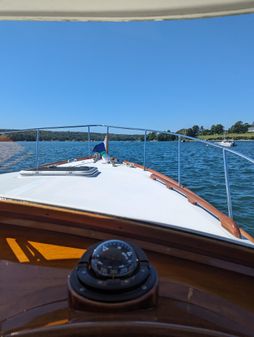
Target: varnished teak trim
point(228, 223)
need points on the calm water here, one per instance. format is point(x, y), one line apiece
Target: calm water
point(201, 167)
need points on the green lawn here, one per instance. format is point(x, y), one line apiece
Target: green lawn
point(235, 136)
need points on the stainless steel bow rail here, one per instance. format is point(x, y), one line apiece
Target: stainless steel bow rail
point(145, 132)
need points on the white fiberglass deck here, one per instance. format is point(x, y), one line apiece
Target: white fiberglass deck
point(121, 190)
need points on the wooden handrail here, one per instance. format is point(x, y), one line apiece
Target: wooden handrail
point(226, 222)
point(246, 235)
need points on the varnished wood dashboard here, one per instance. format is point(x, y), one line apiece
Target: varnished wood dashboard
point(205, 284)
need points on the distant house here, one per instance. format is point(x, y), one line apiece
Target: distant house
point(251, 128)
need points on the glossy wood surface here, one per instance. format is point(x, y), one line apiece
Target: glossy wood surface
point(203, 283)
point(163, 239)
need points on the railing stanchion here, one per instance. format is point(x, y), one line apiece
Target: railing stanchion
point(229, 201)
point(37, 148)
point(89, 140)
point(179, 160)
point(107, 140)
point(144, 162)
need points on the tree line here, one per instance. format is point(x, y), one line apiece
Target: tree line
point(64, 136)
point(216, 129)
point(196, 131)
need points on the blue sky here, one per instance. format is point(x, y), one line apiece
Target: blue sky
point(162, 75)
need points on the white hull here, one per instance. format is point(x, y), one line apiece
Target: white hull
point(226, 143)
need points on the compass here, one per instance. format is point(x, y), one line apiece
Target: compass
point(113, 272)
point(114, 259)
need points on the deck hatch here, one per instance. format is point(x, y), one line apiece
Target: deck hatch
point(87, 171)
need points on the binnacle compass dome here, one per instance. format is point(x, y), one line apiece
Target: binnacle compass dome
point(114, 258)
